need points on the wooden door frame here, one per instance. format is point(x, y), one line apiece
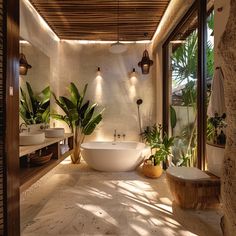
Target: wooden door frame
point(11, 76)
point(201, 7)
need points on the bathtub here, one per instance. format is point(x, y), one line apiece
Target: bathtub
point(114, 156)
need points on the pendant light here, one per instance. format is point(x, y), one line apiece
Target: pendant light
point(23, 64)
point(118, 47)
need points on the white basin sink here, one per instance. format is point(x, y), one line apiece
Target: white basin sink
point(31, 138)
point(54, 132)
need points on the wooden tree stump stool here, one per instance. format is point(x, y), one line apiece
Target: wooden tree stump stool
point(192, 188)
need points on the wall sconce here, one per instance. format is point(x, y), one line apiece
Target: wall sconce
point(99, 71)
point(145, 63)
point(133, 74)
point(23, 64)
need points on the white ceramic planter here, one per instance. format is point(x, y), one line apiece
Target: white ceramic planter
point(215, 157)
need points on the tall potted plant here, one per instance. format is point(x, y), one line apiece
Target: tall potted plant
point(160, 150)
point(79, 116)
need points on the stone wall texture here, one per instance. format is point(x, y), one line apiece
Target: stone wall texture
point(227, 51)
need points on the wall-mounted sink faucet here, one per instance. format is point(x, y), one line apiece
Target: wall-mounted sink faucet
point(22, 129)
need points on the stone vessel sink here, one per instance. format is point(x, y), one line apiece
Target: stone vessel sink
point(31, 138)
point(54, 132)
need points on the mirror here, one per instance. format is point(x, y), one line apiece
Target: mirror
point(34, 85)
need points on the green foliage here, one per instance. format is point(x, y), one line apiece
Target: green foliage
point(214, 126)
point(160, 145)
point(173, 117)
point(184, 71)
point(189, 94)
point(35, 109)
point(184, 60)
point(210, 131)
point(152, 135)
point(78, 114)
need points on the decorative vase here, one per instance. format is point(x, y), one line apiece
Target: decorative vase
point(152, 171)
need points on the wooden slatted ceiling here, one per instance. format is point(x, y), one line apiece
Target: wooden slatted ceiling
point(97, 19)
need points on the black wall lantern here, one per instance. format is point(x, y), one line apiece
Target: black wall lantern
point(24, 66)
point(145, 63)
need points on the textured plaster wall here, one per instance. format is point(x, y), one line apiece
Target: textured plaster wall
point(33, 29)
point(220, 20)
point(226, 54)
point(39, 75)
point(115, 91)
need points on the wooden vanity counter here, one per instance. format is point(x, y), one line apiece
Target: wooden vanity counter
point(30, 174)
point(24, 150)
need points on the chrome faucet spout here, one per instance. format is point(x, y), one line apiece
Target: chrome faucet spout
point(115, 135)
point(21, 129)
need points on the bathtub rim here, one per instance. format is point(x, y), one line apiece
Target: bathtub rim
point(114, 149)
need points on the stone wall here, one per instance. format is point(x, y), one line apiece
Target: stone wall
point(227, 51)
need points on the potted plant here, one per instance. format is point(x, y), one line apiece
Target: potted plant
point(160, 150)
point(35, 108)
point(215, 146)
point(79, 116)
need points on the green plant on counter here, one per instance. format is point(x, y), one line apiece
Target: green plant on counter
point(80, 116)
point(160, 146)
point(215, 126)
point(35, 109)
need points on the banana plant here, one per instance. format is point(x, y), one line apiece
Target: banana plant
point(35, 109)
point(80, 116)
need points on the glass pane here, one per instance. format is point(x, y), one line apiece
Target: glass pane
point(183, 104)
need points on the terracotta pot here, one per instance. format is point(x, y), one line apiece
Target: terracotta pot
point(152, 171)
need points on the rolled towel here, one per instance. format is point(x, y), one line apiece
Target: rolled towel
point(64, 148)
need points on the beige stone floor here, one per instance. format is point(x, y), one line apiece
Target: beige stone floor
point(75, 200)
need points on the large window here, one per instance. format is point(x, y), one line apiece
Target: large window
point(184, 86)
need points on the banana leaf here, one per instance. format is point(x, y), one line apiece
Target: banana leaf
point(90, 127)
point(32, 107)
point(74, 93)
point(33, 101)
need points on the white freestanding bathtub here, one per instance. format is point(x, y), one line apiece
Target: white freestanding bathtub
point(114, 156)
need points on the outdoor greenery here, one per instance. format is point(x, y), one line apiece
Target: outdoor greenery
point(80, 116)
point(160, 146)
point(184, 74)
point(35, 108)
